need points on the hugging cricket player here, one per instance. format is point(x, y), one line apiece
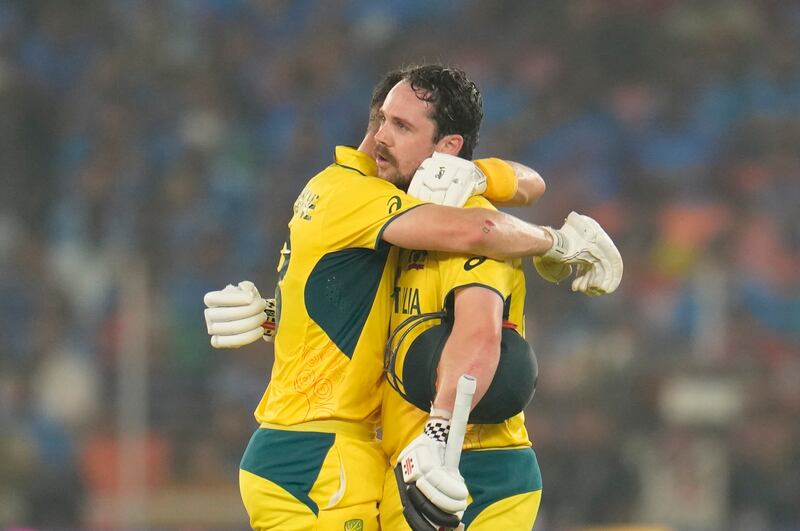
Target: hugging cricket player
point(314, 462)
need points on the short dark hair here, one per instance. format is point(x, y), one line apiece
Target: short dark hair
point(381, 90)
point(456, 100)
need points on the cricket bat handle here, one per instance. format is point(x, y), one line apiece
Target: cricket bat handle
point(465, 390)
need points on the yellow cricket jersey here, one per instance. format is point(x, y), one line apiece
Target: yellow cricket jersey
point(423, 282)
point(333, 297)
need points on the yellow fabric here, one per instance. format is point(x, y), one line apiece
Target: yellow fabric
point(342, 208)
point(424, 280)
point(347, 491)
point(513, 513)
point(284, 512)
point(355, 430)
point(501, 180)
point(391, 508)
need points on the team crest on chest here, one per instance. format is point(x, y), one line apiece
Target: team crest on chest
point(356, 524)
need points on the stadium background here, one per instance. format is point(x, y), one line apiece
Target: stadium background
point(150, 151)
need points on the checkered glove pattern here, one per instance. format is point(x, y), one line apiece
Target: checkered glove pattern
point(437, 429)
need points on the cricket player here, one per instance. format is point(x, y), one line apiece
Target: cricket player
point(314, 462)
point(466, 305)
point(479, 302)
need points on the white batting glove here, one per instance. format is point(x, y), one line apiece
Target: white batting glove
point(235, 315)
point(551, 271)
point(430, 492)
point(582, 242)
point(447, 180)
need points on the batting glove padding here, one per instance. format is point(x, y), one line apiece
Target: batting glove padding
point(419, 512)
point(447, 180)
point(432, 495)
point(550, 270)
point(582, 242)
point(235, 315)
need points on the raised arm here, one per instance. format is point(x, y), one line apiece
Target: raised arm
point(510, 183)
point(530, 186)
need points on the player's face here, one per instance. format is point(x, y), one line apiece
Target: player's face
point(405, 136)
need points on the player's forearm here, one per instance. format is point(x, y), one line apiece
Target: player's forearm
point(510, 183)
point(503, 236)
point(474, 354)
point(476, 231)
point(530, 186)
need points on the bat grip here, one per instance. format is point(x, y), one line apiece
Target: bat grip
point(465, 390)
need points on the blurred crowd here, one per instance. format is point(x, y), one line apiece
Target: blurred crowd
point(150, 151)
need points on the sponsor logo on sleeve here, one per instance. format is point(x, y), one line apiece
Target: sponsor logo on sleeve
point(474, 262)
point(394, 203)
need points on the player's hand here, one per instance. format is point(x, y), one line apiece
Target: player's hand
point(235, 315)
point(432, 496)
point(447, 180)
point(582, 243)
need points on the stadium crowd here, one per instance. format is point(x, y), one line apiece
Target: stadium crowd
point(171, 138)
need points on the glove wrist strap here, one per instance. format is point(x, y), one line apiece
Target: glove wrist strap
point(558, 251)
point(437, 429)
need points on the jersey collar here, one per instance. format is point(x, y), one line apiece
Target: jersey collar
point(349, 157)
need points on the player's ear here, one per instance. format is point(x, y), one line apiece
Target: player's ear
point(450, 144)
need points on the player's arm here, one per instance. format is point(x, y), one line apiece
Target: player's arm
point(432, 495)
point(581, 242)
point(530, 186)
point(473, 346)
point(448, 181)
point(475, 231)
point(510, 183)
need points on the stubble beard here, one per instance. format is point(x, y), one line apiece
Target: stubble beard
point(392, 172)
point(393, 176)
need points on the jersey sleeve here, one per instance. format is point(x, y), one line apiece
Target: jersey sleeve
point(458, 271)
point(364, 207)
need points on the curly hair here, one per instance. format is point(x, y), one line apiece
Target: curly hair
point(457, 104)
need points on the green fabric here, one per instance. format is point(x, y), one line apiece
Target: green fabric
point(290, 459)
point(341, 290)
point(493, 475)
